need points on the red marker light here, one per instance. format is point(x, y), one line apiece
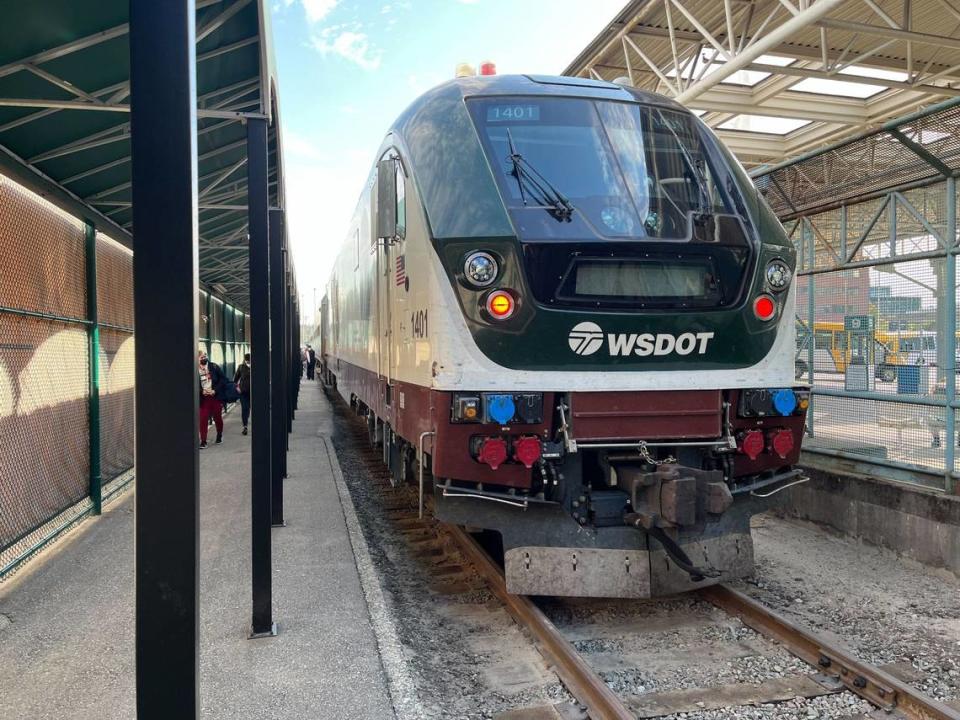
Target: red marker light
point(488, 68)
point(764, 307)
point(752, 444)
point(782, 443)
point(500, 304)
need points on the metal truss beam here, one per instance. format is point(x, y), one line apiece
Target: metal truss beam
point(737, 100)
point(798, 22)
point(895, 33)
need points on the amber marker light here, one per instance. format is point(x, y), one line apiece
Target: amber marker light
point(500, 304)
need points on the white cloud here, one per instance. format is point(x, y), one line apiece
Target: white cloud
point(317, 10)
point(352, 46)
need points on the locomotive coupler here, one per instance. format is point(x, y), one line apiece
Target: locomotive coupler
point(676, 553)
point(673, 496)
point(681, 496)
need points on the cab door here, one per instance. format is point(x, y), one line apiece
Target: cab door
point(391, 270)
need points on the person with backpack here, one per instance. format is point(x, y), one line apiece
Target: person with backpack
point(311, 362)
point(242, 380)
point(212, 382)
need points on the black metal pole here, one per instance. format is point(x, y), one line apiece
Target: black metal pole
point(163, 99)
point(277, 424)
point(284, 390)
point(298, 344)
point(257, 208)
point(288, 329)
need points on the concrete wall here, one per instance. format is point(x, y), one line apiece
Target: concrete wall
point(920, 524)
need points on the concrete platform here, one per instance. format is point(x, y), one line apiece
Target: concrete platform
point(66, 624)
point(917, 522)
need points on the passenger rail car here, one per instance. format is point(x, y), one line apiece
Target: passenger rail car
point(566, 299)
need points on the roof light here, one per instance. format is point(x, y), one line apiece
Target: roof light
point(465, 70)
point(764, 307)
point(488, 68)
point(500, 304)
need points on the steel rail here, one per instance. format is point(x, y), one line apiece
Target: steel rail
point(583, 683)
point(869, 682)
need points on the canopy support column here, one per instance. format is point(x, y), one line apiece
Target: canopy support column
point(164, 175)
point(258, 208)
point(278, 440)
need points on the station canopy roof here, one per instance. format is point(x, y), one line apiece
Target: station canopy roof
point(65, 121)
point(780, 78)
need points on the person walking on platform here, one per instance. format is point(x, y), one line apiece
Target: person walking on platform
point(303, 360)
point(212, 380)
point(311, 362)
point(242, 381)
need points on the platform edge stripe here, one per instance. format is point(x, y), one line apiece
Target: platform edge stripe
point(403, 692)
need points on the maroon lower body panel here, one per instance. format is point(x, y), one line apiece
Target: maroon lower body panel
point(682, 415)
point(647, 414)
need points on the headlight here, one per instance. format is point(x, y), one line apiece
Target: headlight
point(778, 275)
point(480, 269)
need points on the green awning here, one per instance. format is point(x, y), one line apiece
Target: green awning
point(65, 121)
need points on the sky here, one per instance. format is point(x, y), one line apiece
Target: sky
point(348, 68)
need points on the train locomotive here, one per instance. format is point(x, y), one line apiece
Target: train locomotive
point(565, 301)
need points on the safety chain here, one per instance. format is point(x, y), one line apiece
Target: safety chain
point(645, 454)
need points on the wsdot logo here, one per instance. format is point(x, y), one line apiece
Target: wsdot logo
point(585, 338)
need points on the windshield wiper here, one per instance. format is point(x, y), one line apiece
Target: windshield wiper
point(553, 200)
point(706, 207)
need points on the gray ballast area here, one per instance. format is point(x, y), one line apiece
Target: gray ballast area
point(66, 625)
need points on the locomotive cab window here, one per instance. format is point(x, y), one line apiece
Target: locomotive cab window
point(603, 194)
point(571, 168)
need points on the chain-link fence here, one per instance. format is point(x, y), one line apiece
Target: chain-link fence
point(874, 222)
point(67, 369)
point(223, 331)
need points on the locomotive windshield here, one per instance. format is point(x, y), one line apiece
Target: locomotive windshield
point(572, 168)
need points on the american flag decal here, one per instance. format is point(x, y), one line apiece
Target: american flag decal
point(401, 270)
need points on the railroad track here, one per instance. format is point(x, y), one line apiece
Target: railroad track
point(451, 551)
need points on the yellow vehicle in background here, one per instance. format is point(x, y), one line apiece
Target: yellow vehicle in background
point(835, 344)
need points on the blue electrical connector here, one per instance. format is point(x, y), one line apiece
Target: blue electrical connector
point(784, 401)
point(500, 408)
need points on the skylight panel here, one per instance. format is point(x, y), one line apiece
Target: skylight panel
point(849, 88)
point(839, 88)
point(879, 73)
point(748, 78)
point(925, 136)
point(763, 124)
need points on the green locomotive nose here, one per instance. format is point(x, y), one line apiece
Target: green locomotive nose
point(606, 374)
